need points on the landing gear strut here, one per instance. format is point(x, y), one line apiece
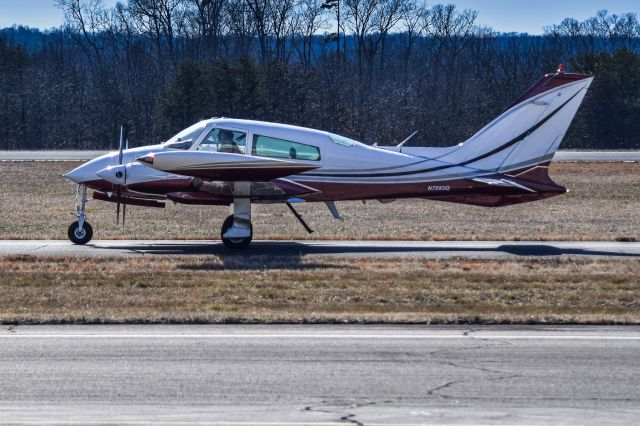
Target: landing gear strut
point(80, 231)
point(237, 230)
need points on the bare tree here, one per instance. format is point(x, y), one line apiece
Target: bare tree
point(159, 20)
point(85, 21)
point(241, 24)
point(259, 11)
point(209, 17)
point(360, 20)
point(280, 14)
point(309, 18)
point(388, 15)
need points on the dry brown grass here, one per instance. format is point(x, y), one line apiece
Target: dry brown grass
point(603, 204)
point(274, 289)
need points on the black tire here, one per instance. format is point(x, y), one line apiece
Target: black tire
point(234, 243)
point(80, 236)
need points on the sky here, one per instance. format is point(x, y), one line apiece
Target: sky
point(502, 15)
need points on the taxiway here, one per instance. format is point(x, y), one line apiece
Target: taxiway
point(325, 374)
point(428, 249)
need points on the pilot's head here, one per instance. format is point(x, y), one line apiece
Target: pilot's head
point(226, 136)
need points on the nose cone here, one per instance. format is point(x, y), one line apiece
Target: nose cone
point(76, 175)
point(89, 171)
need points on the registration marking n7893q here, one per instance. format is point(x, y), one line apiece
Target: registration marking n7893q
point(439, 188)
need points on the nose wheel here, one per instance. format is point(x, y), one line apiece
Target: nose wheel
point(80, 232)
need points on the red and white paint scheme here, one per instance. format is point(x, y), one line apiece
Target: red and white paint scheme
point(225, 161)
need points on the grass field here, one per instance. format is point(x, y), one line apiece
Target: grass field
point(603, 204)
point(278, 289)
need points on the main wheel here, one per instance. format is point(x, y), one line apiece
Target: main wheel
point(79, 235)
point(234, 243)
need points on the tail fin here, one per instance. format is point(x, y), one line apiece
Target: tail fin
point(530, 131)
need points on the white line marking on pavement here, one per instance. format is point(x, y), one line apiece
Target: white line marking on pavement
point(319, 336)
point(180, 423)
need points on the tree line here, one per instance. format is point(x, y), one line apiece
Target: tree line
point(373, 70)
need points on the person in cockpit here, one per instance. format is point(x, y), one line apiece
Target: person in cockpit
point(227, 144)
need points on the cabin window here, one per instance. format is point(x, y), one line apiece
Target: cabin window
point(224, 140)
point(341, 140)
point(266, 146)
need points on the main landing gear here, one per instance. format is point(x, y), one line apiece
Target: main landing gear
point(239, 238)
point(80, 231)
point(237, 231)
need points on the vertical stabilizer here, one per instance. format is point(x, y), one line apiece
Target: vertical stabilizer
point(530, 131)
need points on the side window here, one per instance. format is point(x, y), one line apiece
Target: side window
point(266, 146)
point(224, 140)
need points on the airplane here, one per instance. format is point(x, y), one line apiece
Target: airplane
point(234, 162)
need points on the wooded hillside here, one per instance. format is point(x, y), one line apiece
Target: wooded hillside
point(373, 70)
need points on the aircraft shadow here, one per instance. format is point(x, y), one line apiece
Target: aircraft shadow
point(272, 253)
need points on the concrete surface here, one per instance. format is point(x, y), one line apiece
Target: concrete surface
point(67, 155)
point(50, 155)
point(597, 156)
point(429, 249)
point(323, 374)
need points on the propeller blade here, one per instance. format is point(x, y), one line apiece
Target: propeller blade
point(118, 198)
point(124, 206)
point(124, 144)
point(121, 146)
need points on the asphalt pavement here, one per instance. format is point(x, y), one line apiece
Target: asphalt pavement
point(428, 249)
point(76, 155)
point(325, 374)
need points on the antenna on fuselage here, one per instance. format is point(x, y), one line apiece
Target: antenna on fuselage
point(407, 139)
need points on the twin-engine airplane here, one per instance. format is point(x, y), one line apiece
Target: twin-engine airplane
point(239, 162)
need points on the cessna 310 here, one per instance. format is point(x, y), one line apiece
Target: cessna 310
point(225, 161)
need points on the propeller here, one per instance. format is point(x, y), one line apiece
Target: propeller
point(124, 206)
point(121, 148)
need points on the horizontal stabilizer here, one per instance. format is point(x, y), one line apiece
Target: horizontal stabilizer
point(223, 166)
point(503, 182)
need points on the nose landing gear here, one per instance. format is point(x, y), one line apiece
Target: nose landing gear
point(80, 231)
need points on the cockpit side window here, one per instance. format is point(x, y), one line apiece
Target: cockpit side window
point(266, 146)
point(186, 138)
point(224, 140)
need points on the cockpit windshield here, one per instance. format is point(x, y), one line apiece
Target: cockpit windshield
point(186, 138)
point(341, 140)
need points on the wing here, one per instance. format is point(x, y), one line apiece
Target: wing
point(222, 166)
